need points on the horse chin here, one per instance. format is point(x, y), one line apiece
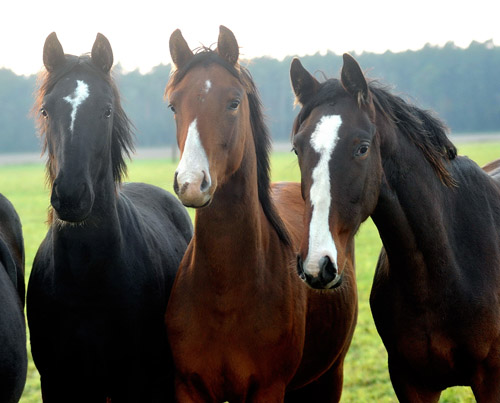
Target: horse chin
point(197, 206)
point(200, 201)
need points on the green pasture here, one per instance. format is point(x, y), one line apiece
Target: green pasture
point(366, 376)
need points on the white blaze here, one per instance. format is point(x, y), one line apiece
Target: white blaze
point(76, 99)
point(194, 161)
point(321, 243)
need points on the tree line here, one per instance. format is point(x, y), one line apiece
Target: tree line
point(460, 85)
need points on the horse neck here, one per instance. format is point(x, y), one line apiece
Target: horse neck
point(232, 234)
point(411, 213)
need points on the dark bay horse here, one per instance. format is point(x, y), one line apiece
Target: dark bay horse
point(241, 324)
point(102, 276)
point(13, 355)
point(436, 291)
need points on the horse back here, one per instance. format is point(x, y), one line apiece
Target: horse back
point(493, 169)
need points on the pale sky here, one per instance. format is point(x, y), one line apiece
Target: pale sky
point(139, 31)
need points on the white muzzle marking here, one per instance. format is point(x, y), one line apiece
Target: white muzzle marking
point(193, 167)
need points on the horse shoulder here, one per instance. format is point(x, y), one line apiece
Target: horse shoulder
point(288, 200)
point(153, 202)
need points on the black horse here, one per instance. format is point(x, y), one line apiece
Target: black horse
point(102, 276)
point(436, 293)
point(13, 356)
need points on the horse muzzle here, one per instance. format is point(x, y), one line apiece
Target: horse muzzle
point(72, 202)
point(193, 189)
point(327, 276)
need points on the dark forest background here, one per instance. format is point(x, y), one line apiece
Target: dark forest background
point(462, 86)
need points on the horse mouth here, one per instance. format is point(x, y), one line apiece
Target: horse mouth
point(72, 215)
point(196, 206)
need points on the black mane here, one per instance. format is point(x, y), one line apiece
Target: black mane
point(122, 143)
point(262, 139)
point(421, 127)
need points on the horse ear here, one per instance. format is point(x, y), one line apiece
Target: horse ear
point(227, 46)
point(53, 53)
point(353, 80)
point(303, 83)
point(102, 54)
point(179, 49)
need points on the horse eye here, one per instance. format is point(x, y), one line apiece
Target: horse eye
point(44, 113)
point(233, 105)
point(172, 108)
point(107, 114)
point(295, 151)
point(362, 150)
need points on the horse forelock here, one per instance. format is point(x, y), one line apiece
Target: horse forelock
point(262, 140)
point(122, 144)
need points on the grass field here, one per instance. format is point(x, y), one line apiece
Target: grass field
point(366, 376)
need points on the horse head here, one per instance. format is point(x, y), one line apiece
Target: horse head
point(334, 137)
point(79, 115)
point(208, 95)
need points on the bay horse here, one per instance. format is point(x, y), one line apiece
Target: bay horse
point(241, 324)
point(13, 354)
point(436, 291)
point(102, 276)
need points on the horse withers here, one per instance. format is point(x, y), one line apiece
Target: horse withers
point(436, 292)
point(101, 279)
point(241, 324)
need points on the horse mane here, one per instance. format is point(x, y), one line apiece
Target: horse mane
point(262, 139)
point(421, 127)
point(122, 142)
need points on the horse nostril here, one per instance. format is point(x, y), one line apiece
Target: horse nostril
point(54, 197)
point(204, 184)
point(176, 184)
point(300, 268)
point(328, 269)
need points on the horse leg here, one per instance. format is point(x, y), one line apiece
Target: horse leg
point(327, 388)
point(63, 390)
point(488, 389)
point(406, 391)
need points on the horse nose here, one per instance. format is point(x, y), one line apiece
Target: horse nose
point(193, 188)
point(327, 269)
point(71, 202)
